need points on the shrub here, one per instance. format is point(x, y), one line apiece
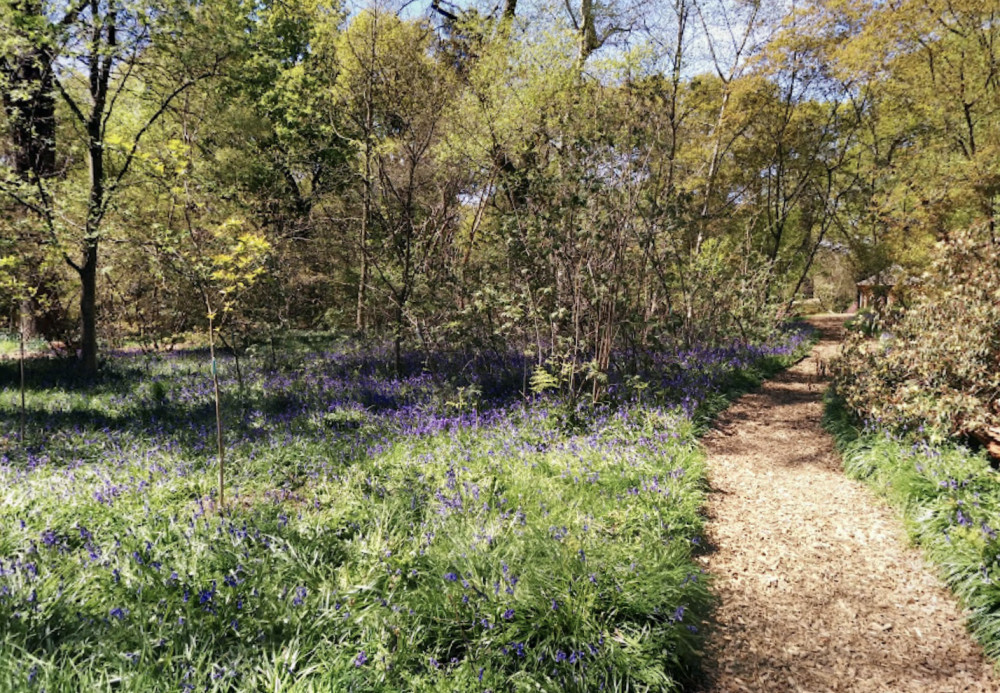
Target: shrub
point(936, 367)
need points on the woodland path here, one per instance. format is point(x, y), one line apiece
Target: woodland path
point(818, 590)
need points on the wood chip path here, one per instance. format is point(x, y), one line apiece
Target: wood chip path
point(818, 590)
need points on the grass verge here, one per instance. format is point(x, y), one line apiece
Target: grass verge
point(949, 498)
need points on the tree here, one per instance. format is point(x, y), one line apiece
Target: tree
point(923, 77)
point(103, 59)
point(395, 94)
point(26, 73)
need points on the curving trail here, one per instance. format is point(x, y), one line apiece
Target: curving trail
point(818, 590)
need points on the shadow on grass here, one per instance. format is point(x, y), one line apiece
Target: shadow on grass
point(67, 374)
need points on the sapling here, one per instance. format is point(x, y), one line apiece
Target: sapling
point(221, 265)
point(232, 273)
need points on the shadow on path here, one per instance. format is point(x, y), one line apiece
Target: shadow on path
point(817, 588)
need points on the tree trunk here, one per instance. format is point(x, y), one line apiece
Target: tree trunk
point(366, 200)
point(27, 322)
point(88, 309)
point(88, 268)
point(100, 77)
point(398, 339)
point(29, 103)
point(218, 413)
point(23, 409)
point(587, 38)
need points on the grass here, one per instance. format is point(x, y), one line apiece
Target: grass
point(383, 533)
point(10, 345)
point(949, 497)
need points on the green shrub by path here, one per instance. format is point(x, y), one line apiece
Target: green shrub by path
point(949, 498)
point(935, 365)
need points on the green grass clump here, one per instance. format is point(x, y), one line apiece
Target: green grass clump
point(949, 498)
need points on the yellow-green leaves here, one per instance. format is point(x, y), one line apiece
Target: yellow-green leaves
point(10, 282)
point(240, 262)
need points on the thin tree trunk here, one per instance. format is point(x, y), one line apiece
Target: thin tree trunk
point(359, 320)
point(713, 169)
point(218, 415)
point(23, 410)
point(88, 309)
point(366, 202)
point(398, 339)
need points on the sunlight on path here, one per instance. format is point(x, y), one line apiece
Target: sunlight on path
point(817, 588)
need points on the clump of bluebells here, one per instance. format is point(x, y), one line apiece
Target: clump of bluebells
point(950, 498)
point(378, 536)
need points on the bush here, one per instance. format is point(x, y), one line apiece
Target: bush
point(865, 322)
point(808, 306)
point(934, 368)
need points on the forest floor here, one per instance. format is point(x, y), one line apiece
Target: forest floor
point(818, 589)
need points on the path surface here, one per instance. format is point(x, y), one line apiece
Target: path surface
point(817, 588)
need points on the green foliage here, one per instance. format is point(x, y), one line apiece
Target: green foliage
point(241, 262)
point(935, 369)
point(950, 500)
point(542, 380)
point(867, 322)
point(507, 556)
point(501, 183)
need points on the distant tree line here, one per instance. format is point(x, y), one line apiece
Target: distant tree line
point(572, 181)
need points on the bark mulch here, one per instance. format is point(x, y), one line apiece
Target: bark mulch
point(818, 589)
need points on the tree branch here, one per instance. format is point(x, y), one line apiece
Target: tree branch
point(130, 157)
point(69, 101)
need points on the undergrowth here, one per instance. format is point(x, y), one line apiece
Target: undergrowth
point(383, 534)
point(949, 497)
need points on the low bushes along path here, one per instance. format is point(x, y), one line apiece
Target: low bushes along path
point(818, 589)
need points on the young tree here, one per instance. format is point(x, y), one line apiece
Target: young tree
point(395, 94)
point(106, 60)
